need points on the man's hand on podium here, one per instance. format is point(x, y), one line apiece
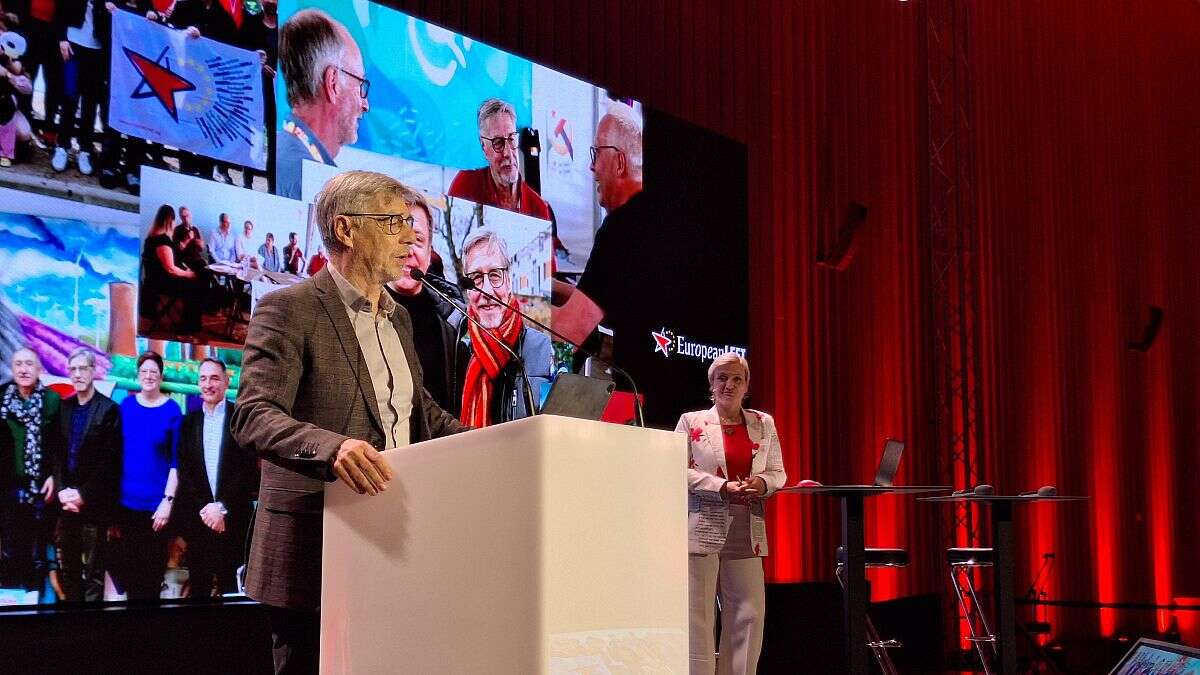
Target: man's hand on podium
point(361, 467)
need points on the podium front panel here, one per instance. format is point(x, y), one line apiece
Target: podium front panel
point(542, 545)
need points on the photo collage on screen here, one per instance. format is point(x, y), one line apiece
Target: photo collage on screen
point(161, 179)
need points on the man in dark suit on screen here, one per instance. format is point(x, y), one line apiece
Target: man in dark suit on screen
point(330, 377)
point(217, 479)
point(86, 475)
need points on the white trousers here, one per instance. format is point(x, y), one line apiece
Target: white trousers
point(739, 583)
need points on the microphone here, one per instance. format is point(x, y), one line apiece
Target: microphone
point(983, 490)
point(1044, 491)
point(426, 279)
point(1047, 491)
point(469, 285)
point(442, 283)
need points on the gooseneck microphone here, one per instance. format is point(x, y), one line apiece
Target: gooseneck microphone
point(427, 281)
point(640, 415)
point(448, 287)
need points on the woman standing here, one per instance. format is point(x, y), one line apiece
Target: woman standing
point(148, 481)
point(734, 463)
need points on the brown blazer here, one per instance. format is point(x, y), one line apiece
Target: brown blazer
point(304, 390)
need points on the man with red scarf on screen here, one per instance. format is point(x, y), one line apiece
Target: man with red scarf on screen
point(494, 386)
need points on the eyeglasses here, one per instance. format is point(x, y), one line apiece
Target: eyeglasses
point(498, 142)
point(149, 372)
point(364, 85)
point(495, 277)
point(392, 223)
point(595, 150)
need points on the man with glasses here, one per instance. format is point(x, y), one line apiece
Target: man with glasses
point(499, 183)
point(493, 385)
point(327, 90)
point(607, 290)
point(319, 403)
point(87, 478)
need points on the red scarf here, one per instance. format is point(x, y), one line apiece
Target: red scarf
point(487, 362)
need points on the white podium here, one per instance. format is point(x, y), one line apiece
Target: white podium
point(544, 545)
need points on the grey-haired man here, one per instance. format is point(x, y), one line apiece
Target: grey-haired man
point(330, 377)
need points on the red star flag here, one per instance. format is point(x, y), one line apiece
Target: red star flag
point(197, 95)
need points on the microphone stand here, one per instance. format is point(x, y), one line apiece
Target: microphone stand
point(425, 279)
point(640, 415)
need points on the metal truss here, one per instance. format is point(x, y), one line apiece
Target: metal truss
point(955, 276)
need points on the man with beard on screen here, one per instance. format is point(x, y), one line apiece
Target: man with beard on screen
point(499, 183)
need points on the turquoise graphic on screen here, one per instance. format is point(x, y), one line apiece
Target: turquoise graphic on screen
point(426, 83)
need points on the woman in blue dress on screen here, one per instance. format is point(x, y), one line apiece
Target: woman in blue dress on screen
point(734, 463)
point(150, 421)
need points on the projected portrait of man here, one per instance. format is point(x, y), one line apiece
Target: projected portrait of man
point(493, 386)
point(327, 89)
point(499, 183)
point(605, 286)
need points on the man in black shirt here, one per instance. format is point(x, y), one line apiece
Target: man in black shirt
point(617, 168)
point(433, 319)
point(666, 265)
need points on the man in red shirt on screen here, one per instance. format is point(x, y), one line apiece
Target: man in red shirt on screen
point(499, 183)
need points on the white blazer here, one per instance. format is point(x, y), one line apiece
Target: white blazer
point(708, 513)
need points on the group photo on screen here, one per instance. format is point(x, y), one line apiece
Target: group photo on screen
point(98, 424)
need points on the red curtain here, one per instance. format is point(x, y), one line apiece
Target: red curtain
point(1085, 132)
point(842, 357)
point(1088, 183)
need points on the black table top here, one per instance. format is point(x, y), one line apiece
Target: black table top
point(863, 490)
point(1003, 498)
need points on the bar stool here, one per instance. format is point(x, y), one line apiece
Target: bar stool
point(876, 557)
point(961, 562)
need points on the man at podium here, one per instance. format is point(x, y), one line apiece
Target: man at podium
point(330, 377)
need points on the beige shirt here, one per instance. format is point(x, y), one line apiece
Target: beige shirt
point(384, 356)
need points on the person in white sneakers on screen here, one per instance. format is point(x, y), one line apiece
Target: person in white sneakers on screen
point(84, 65)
